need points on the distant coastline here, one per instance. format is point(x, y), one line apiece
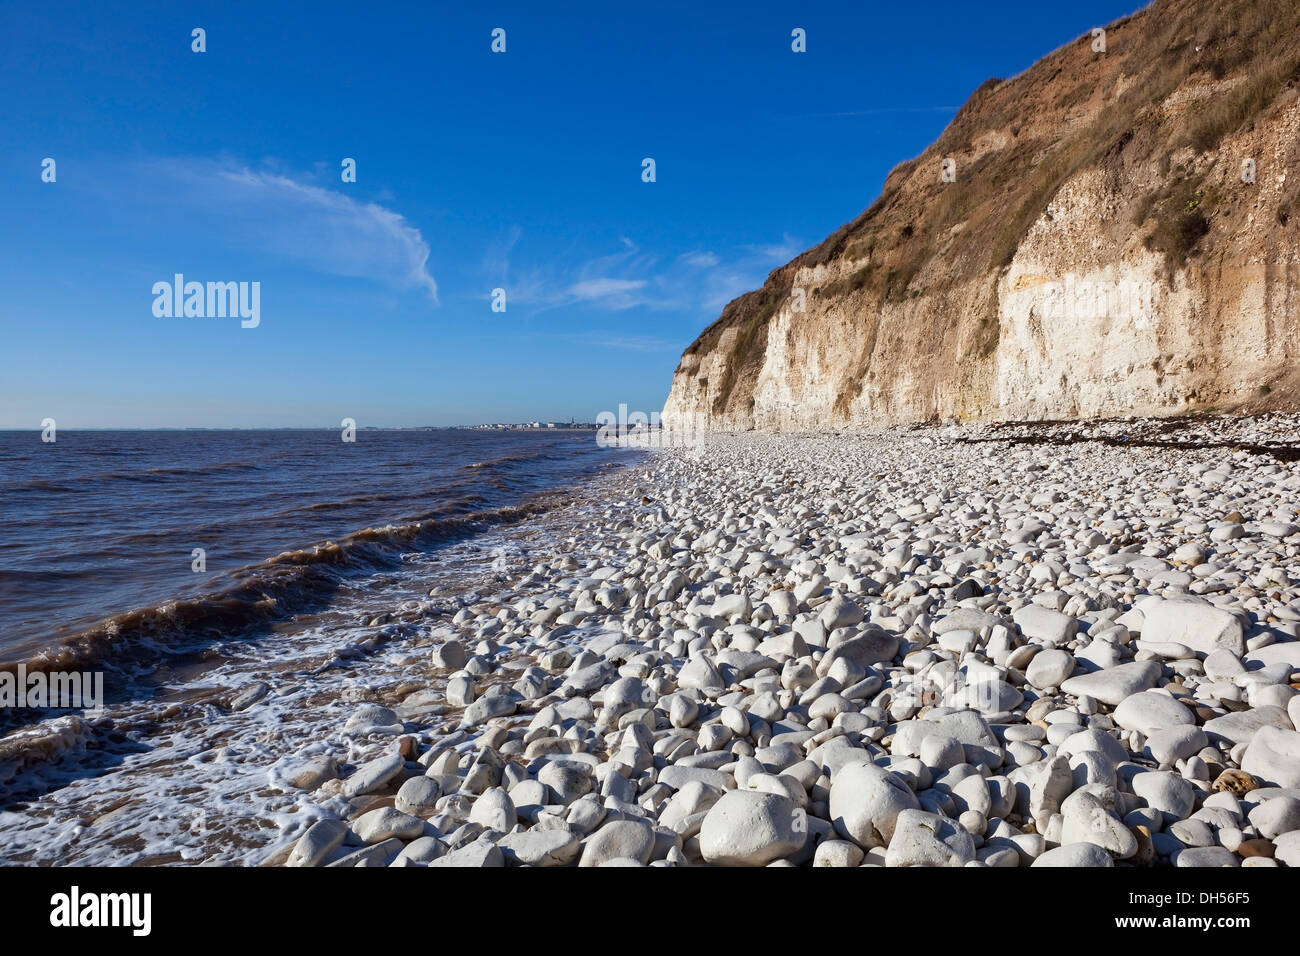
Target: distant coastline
point(521, 426)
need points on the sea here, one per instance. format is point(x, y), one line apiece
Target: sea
point(187, 565)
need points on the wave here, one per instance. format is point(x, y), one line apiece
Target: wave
point(509, 460)
point(35, 577)
point(45, 743)
point(200, 470)
point(460, 505)
point(49, 486)
point(336, 505)
point(148, 476)
point(292, 582)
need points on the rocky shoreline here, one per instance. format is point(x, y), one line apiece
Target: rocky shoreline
point(931, 647)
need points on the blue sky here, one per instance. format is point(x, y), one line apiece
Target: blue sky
point(475, 171)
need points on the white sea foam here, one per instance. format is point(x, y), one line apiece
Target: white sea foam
point(196, 782)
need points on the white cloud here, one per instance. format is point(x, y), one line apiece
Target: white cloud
point(321, 229)
point(883, 111)
point(635, 343)
point(614, 293)
point(702, 260)
point(599, 288)
point(496, 260)
point(779, 253)
point(696, 282)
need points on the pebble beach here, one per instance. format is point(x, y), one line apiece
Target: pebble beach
point(1048, 645)
point(924, 648)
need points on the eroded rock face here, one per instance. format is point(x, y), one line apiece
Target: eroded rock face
point(1184, 352)
point(925, 307)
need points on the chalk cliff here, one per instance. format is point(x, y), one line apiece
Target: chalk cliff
point(1111, 232)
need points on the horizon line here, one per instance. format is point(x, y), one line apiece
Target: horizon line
point(558, 426)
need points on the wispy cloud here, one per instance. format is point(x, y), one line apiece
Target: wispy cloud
point(697, 281)
point(614, 293)
point(496, 260)
point(275, 214)
point(634, 343)
point(702, 260)
point(882, 111)
point(779, 252)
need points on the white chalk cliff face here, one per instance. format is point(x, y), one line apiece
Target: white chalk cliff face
point(1088, 316)
point(1130, 340)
